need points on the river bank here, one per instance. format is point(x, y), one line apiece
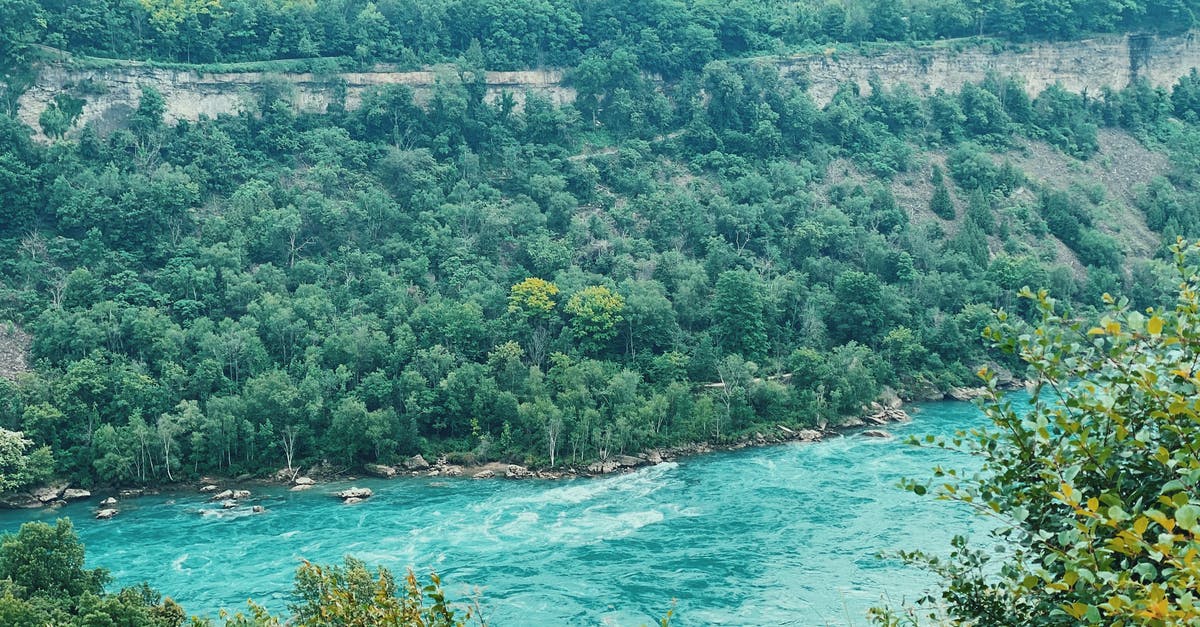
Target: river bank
point(888, 410)
point(772, 532)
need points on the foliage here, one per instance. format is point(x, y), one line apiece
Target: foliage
point(1094, 483)
point(516, 280)
point(353, 596)
point(20, 467)
point(595, 312)
point(43, 582)
point(533, 298)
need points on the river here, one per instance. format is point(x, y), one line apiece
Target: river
point(779, 535)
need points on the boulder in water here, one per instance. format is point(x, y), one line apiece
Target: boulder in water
point(106, 513)
point(108, 502)
point(876, 433)
point(379, 470)
point(304, 481)
point(484, 474)
point(258, 509)
point(223, 495)
point(230, 504)
point(73, 494)
point(129, 493)
point(355, 493)
point(453, 471)
point(352, 500)
point(300, 487)
point(209, 488)
point(241, 494)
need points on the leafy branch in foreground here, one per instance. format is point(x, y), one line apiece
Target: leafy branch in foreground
point(354, 596)
point(1096, 486)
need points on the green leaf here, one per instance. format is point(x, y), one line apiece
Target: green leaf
point(1186, 516)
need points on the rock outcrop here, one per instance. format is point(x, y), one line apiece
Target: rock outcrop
point(416, 462)
point(112, 94)
point(49, 493)
point(518, 472)
point(379, 470)
point(73, 494)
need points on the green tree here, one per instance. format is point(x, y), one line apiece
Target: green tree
point(48, 561)
point(940, 203)
point(595, 312)
point(20, 467)
point(738, 313)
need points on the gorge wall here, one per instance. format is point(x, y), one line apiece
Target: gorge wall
point(1085, 65)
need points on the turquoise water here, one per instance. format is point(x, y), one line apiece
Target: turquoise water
point(779, 535)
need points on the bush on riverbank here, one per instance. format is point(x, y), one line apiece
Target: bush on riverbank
point(1095, 487)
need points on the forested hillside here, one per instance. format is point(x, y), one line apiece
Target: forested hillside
point(656, 263)
point(667, 37)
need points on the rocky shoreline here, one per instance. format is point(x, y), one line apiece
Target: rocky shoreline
point(879, 414)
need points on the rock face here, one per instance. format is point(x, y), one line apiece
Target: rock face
point(416, 462)
point(379, 470)
point(105, 514)
point(1104, 61)
point(72, 494)
point(484, 474)
point(189, 95)
point(355, 493)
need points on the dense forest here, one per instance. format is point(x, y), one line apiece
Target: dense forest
point(668, 37)
point(656, 263)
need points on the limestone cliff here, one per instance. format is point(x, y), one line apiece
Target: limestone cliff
point(1112, 61)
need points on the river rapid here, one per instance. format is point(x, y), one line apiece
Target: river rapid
point(779, 535)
